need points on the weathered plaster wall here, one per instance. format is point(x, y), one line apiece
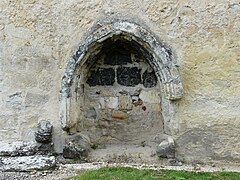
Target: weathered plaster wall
point(38, 37)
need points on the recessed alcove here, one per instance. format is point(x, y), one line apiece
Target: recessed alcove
point(121, 96)
point(119, 89)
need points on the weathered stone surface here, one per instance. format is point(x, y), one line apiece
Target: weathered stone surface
point(35, 99)
point(206, 141)
point(166, 149)
point(18, 148)
point(76, 146)
point(127, 76)
point(103, 77)
point(43, 133)
point(27, 163)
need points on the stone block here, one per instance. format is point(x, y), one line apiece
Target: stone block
point(112, 102)
point(149, 79)
point(102, 76)
point(18, 148)
point(125, 102)
point(166, 149)
point(128, 76)
point(27, 163)
point(152, 96)
point(119, 115)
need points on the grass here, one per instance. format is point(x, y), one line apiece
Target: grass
point(125, 173)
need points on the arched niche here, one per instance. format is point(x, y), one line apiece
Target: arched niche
point(159, 57)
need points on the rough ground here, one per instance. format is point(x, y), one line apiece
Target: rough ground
point(69, 170)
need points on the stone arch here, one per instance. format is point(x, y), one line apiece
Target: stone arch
point(159, 57)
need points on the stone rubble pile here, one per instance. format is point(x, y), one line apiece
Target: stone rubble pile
point(27, 156)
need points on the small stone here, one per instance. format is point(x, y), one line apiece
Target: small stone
point(144, 108)
point(76, 146)
point(174, 162)
point(43, 133)
point(119, 115)
point(166, 149)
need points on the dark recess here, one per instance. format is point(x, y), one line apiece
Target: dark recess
point(149, 79)
point(127, 76)
point(103, 77)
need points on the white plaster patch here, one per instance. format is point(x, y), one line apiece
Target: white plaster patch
point(150, 96)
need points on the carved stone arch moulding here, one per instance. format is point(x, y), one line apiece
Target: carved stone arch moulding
point(159, 57)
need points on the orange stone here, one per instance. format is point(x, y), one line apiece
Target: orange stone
point(119, 115)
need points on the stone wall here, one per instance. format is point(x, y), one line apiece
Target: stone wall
point(37, 38)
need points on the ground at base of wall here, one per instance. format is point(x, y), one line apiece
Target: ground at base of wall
point(124, 153)
point(70, 170)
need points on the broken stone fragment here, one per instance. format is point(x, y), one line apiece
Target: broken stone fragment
point(18, 148)
point(119, 115)
point(43, 133)
point(77, 146)
point(27, 163)
point(166, 149)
